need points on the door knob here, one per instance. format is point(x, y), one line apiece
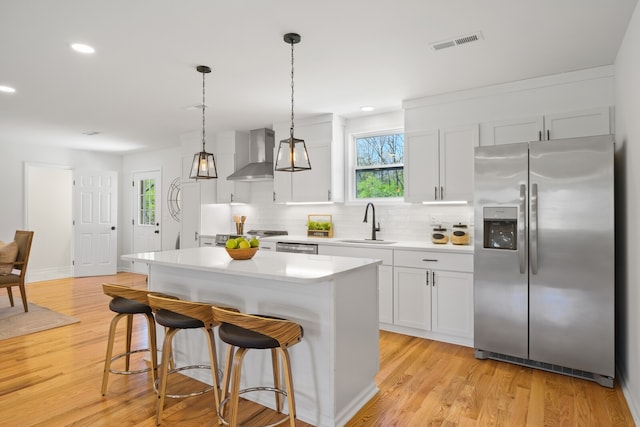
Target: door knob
point(113, 227)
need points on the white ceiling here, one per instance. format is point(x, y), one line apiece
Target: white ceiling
point(136, 88)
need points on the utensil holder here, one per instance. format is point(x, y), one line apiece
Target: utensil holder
point(239, 228)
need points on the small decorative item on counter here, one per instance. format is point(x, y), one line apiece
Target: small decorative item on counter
point(460, 234)
point(319, 226)
point(241, 248)
point(439, 235)
point(239, 220)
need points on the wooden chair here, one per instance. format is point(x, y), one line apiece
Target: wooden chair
point(244, 332)
point(23, 239)
point(176, 315)
point(127, 302)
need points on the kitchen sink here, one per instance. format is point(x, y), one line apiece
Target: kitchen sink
point(367, 241)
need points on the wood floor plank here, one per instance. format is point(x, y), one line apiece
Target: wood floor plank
point(52, 378)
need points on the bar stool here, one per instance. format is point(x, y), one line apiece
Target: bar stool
point(244, 332)
point(127, 302)
point(176, 315)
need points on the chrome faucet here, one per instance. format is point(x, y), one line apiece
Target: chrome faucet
point(373, 220)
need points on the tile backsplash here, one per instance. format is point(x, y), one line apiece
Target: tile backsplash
point(398, 221)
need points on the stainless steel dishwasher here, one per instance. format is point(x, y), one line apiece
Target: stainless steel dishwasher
point(297, 248)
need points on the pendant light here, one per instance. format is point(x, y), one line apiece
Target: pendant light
point(292, 152)
point(204, 164)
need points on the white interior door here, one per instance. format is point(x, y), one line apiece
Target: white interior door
point(147, 198)
point(95, 248)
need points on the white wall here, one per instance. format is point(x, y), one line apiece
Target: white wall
point(49, 214)
point(12, 175)
point(168, 161)
point(628, 212)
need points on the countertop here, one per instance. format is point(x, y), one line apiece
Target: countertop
point(299, 268)
point(405, 245)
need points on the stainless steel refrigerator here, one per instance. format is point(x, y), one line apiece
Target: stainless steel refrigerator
point(544, 256)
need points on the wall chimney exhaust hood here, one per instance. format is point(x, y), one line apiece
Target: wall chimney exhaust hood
point(260, 167)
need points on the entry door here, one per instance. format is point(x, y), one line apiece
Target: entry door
point(146, 215)
point(95, 248)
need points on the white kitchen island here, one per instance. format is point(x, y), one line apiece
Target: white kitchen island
point(335, 299)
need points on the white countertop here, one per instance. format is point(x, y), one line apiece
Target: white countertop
point(287, 267)
point(406, 244)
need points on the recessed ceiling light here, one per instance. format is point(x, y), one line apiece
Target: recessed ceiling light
point(7, 89)
point(367, 108)
point(82, 48)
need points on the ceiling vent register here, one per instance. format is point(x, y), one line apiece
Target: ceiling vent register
point(457, 41)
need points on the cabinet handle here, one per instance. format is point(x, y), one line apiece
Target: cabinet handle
point(539, 135)
point(231, 198)
point(428, 259)
point(441, 193)
point(435, 193)
point(274, 196)
point(433, 280)
point(195, 236)
point(427, 279)
point(328, 195)
point(548, 135)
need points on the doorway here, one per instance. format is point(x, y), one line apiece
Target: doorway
point(146, 203)
point(49, 213)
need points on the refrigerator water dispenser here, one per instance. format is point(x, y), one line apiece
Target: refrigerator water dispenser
point(500, 228)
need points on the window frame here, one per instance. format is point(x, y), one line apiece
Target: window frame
point(352, 167)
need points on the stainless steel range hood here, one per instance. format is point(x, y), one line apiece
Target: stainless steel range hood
point(260, 167)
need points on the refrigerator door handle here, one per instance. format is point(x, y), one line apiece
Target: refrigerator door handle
point(521, 238)
point(534, 228)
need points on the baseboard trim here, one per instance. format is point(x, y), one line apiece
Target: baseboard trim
point(53, 273)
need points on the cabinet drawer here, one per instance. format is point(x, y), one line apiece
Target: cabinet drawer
point(433, 260)
point(386, 255)
point(207, 240)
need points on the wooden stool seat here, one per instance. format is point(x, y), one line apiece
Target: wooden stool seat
point(127, 306)
point(176, 315)
point(243, 332)
point(169, 319)
point(127, 302)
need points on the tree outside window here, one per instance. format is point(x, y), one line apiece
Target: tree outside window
point(379, 166)
point(147, 202)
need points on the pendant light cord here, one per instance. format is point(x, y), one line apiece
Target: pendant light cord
point(203, 107)
point(292, 92)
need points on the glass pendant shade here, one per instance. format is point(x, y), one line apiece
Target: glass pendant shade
point(292, 152)
point(292, 156)
point(203, 166)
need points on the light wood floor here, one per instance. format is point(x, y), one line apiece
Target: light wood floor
point(53, 378)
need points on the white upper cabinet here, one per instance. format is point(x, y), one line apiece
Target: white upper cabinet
point(575, 124)
point(232, 153)
point(594, 121)
point(439, 164)
point(324, 138)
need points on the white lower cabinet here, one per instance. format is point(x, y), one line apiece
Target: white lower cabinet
point(433, 295)
point(452, 303)
point(385, 293)
point(412, 298)
point(427, 294)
